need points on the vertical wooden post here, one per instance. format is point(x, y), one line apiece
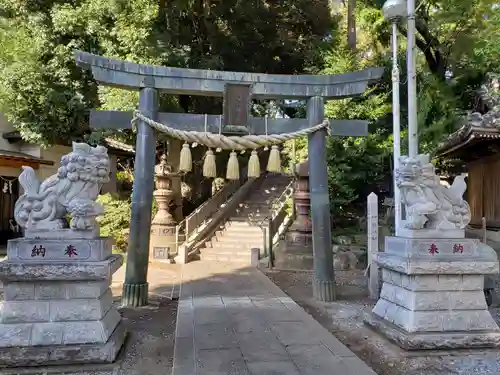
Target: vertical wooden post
point(372, 226)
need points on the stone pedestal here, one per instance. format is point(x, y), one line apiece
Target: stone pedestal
point(432, 293)
point(163, 243)
point(296, 250)
point(58, 306)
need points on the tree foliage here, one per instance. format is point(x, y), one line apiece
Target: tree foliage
point(457, 43)
point(47, 97)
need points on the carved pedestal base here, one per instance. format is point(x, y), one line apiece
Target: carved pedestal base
point(58, 307)
point(295, 252)
point(61, 234)
point(162, 244)
point(432, 294)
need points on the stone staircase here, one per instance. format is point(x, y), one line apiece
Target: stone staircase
point(242, 230)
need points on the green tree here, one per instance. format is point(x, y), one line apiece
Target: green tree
point(47, 97)
point(355, 165)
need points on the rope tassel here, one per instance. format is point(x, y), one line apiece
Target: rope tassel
point(186, 160)
point(233, 168)
point(254, 165)
point(274, 161)
point(209, 165)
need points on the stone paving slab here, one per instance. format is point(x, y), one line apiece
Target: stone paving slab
point(236, 321)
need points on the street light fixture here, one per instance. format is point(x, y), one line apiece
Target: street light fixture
point(394, 11)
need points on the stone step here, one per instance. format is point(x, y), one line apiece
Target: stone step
point(263, 196)
point(244, 261)
point(240, 227)
point(242, 224)
point(242, 235)
point(266, 193)
point(230, 236)
point(246, 220)
point(252, 215)
point(270, 188)
point(225, 251)
point(253, 206)
point(234, 242)
point(249, 232)
point(250, 206)
point(231, 247)
point(255, 203)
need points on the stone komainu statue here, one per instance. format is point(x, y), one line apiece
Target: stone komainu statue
point(72, 190)
point(429, 204)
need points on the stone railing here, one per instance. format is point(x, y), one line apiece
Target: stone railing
point(275, 224)
point(199, 217)
point(205, 220)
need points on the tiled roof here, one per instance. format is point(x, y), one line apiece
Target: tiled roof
point(111, 143)
point(4, 154)
point(466, 135)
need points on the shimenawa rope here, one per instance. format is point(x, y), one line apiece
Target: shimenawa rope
point(238, 143)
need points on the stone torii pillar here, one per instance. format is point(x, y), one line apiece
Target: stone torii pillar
point(238, 89)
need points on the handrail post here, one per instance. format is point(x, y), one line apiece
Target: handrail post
point(264, 240)
point(270, 243)
point(177, 238)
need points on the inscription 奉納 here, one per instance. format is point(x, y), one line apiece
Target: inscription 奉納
point(70, 251)
point(38, 251)
point(433, 249)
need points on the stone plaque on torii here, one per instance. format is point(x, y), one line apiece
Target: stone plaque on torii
point(237, 90)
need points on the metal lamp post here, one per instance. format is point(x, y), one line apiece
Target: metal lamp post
point(412, 82)
point(394, 11)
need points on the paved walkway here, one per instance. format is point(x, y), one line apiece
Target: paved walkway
point(163, 279)
point(237, 322)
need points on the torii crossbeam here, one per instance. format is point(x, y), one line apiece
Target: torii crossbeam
point(237, 90)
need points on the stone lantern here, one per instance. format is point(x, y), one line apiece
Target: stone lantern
point(163, 242)
point(296, 251)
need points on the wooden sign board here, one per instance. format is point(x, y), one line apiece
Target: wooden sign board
point(237, 99)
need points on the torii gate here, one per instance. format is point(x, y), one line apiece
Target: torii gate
point(237, 89)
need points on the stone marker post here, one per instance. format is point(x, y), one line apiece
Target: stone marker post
point(372, 227)
point(432, 293)
point(58, 307)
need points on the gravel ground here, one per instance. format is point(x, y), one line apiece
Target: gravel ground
point(344, 318)
point(149, 348)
